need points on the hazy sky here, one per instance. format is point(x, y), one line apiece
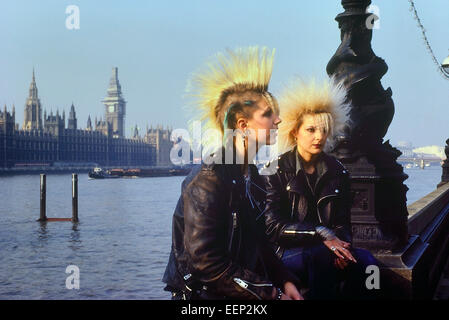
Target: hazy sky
point(157, 44)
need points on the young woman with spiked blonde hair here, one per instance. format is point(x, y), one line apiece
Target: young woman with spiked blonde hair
point(219, 248)
point(307, 211)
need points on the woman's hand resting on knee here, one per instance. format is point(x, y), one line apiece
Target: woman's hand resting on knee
point(341, 250)
point(290, 292)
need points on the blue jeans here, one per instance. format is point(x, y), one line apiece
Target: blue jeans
point(314, 265)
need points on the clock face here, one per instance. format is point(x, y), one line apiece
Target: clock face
point(111, 108)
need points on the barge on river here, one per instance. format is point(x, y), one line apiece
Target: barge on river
point(99, 173)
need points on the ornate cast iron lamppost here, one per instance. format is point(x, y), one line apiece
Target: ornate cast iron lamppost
point(379, 212)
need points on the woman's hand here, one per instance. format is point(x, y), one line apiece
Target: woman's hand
point(291, 292)
point(340, 263)
point(340, 249)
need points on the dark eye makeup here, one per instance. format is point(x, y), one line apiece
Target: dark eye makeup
point(268, 113)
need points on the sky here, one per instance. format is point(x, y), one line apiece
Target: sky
point(157, 45)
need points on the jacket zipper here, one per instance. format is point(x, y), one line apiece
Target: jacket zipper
point(318, 204)
point(293, 206)
point(234, 226)
point(245, 284)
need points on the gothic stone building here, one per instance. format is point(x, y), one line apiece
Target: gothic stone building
point(48, 141)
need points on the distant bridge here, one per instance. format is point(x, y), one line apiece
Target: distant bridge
point(420, 161)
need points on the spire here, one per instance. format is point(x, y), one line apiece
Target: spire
point(33, 88)
point(114, 90)
point(32, 116)
point(89, 122)
point(72, 123)
point(72, 114)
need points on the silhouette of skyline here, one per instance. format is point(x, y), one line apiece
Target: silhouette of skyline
point(157, 45)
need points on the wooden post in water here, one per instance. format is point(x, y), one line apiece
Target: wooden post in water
point(43, 216)
point(74, 197)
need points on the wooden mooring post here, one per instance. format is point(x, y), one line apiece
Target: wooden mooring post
point(43, 195)
point(74, 197)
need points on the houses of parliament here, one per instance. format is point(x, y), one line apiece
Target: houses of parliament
point(54, 141)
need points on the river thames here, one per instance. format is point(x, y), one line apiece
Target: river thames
point(120, 245)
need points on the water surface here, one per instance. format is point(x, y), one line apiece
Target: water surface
point(120, 245)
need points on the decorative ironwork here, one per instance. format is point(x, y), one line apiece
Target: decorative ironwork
point(426, 41)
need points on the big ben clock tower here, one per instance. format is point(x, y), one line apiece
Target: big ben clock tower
point(115, 106)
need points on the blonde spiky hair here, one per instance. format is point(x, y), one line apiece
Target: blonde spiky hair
point(240, 71)
point(326, 101)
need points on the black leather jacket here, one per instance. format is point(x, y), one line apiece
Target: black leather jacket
point(217, 243)
point(291, 198)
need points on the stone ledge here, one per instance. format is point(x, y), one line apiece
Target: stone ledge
point(423, 211)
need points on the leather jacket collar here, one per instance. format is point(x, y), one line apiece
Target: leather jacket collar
point(234, 170)
point(292, 163)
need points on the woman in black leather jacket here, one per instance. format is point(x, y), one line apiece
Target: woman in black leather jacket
point(219, 248)
point(308, 205)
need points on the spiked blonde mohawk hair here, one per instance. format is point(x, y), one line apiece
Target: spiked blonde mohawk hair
point(243, 71)
point(327, 101)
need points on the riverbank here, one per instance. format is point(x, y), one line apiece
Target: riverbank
point(80, 169)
